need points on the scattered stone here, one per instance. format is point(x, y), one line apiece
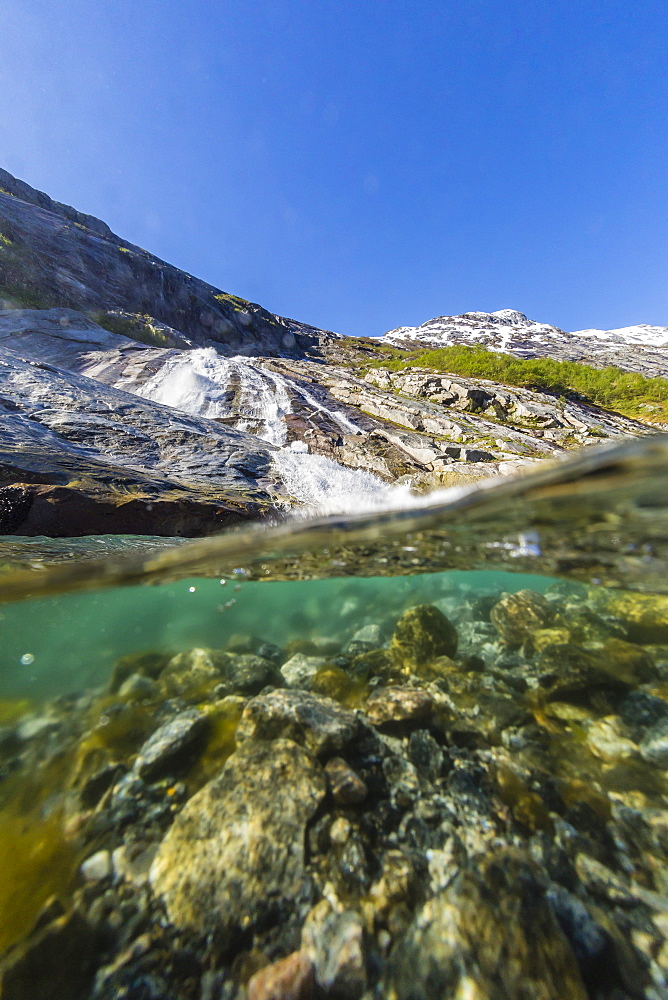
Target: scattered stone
point(398, 704)
point(234, 856)
point(640, 711)
point(517, 616)
point(172, 746)
point(420, 635)
point(132, 862)
point(97, 867)
point(491, 935)
point(606, 741)
point(346, 786)
point(334, 942)
point(299, 670)
point(316, 722)
point(654, 744)
point(290, 978)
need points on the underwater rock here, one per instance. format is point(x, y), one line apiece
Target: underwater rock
point(516, 616)
point(249, 673)
point(194, 671)
point(645, 616)
point(149, 663)
point(97, 866)
point(346, 786)
point(55, 961)
point(640, 711)
point(491, 935)
point(316, 722)
point(335, 944)
point(570, 671)
point(422, 634)
point(398, 704)
point(172, 745)
point(290, 978)
point(235, 853)
point(654, 744)
point(299, 670)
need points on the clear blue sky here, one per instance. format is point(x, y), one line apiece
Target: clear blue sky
point(361, 164)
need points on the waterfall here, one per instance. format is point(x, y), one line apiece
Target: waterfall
point(256, 400)
point(202, 382)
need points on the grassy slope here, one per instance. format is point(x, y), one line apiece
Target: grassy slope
point(625, 392)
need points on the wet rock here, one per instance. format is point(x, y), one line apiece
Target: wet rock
point(640, 711)
point(290, 978)
point(645, 616)
point(491, 935)
point(136, 687)
point(425, 754)
point(402, 780)
point(590, 943)
point(334, 942)
point(149, 663)
point(248, 674)
point(516, 616)
point(607, 741)
point(346, 786)
point(97, 866)
point(195, 671)
point(132, 862)
point(235, 853)
point(316, 722)
point(56, 961)
point(654, 744)
point(398, 704)
point(35, 727)
point(299, 670)
point(422, 634)
point(172, 745)
point(567, 671)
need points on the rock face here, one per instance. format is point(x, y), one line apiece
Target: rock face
point(235, 854)
point(77, 458)
point(53, 255)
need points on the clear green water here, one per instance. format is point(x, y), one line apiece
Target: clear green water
point(65, 643)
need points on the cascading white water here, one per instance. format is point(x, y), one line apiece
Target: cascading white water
point(254, 399)
point(203, 383)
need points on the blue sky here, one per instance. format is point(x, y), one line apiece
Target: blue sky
point(361, 165)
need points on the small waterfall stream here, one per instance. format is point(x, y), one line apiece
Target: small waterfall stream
point(256, 400)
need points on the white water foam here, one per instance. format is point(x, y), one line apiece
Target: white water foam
point(256, 400)
point(203, 383)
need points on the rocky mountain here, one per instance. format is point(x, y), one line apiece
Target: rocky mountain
point(53, 255)
point(633, 348)
point(136, 398)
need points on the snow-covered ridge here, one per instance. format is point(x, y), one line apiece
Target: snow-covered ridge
point(634, 348)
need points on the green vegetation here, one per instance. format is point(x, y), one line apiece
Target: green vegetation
point(5, 240)
point(627, 393)
point(235, 301)
point(134, 326)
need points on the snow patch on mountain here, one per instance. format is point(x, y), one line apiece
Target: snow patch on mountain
point(633, 348)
